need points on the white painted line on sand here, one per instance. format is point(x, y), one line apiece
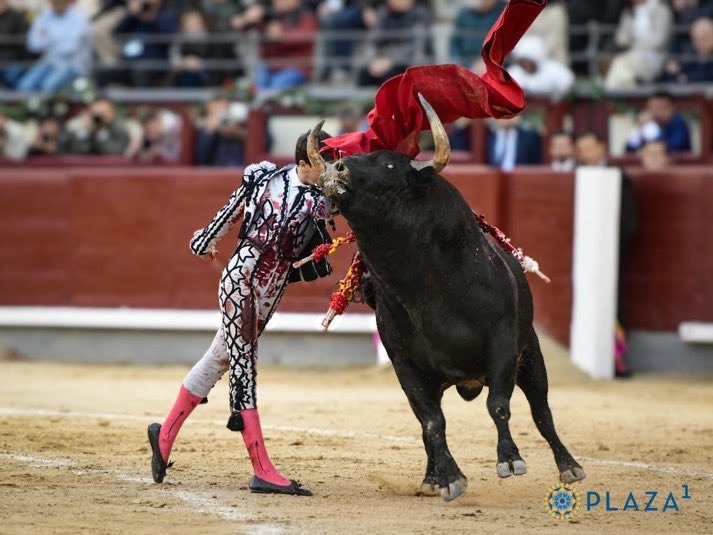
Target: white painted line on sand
point(200, 502)
point(17, 411)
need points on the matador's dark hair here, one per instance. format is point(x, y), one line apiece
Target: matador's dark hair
point(301, 147)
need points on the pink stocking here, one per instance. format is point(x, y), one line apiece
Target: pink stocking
point(182, 408)
point(252, 435)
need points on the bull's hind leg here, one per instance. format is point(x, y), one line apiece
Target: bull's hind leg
point(424, 394)
point(532, 379)
point(501, 383)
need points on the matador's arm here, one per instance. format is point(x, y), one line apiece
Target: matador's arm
point(204, 239)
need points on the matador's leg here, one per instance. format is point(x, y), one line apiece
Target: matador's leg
point(240, 302)
point(199, 381)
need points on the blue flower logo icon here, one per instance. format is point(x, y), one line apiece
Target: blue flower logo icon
point(562, 501)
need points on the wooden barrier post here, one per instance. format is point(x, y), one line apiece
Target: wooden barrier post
point(595, 267)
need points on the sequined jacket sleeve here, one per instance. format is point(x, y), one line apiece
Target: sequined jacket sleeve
point(224, 220)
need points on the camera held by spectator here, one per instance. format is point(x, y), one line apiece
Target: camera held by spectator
point(48, 138)
point(97, 131)
point(660, 120)
point(221, 139)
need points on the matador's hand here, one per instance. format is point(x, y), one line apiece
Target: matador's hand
point(210, 254)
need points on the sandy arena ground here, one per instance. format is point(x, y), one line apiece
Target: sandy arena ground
point(74, 456)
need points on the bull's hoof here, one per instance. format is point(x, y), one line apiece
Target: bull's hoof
point(427, 489)
point(455, 489)
point(576, 473)
point(507, 469)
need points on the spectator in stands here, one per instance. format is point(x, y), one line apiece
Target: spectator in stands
point(643, 32)
point(552, 26)
point(351, 119)
point(251, 14)
point(47, 139)
point(96, 131)
point(13, 26)
point(471, 25)
point(400, 38)
point(191, 49)
point(685, 13)
point(221, 136)
point(654, 156)
point(510, 143)
point(591, 151)
point(288, 49)
point(220, 13)
point(660, 120)
point(336, 16)
point(105, 16)
point(538, 74)
point(562, 151)
point(580, 14)
point(142, 30)
point(60, 34)
point(700, 68)
point(14, 142)
point(161, 137)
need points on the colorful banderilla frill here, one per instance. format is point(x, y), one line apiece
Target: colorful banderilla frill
point(529, 265)
point(340, 299)
point(324, 250)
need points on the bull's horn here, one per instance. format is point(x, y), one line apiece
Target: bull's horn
point(315, 158)
point(442, 145)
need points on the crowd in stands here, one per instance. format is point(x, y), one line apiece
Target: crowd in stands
point(48, 45)
point(196, 43)
point(148, 135)
point(660, 131)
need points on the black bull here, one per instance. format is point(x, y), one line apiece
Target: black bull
point(452, 308)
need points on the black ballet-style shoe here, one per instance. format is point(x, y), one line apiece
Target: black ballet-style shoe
point(265, 487)
point(158, 465)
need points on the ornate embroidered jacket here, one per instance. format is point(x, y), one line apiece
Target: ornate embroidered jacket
point(279, 212)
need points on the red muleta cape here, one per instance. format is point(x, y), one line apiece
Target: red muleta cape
point(452, 90)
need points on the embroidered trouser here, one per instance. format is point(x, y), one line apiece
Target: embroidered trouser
point(251, 287)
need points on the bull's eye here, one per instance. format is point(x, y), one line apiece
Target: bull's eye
point(390, 165)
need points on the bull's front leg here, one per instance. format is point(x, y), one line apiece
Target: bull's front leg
point(424, 394)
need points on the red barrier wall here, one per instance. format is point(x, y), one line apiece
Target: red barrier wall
point(119, 237)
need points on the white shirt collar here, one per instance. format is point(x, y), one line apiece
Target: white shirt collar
point(294, 179)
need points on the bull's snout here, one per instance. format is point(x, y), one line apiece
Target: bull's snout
point(334, 180)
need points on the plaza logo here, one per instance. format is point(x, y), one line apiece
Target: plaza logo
point(648, 501)
point(564, 502)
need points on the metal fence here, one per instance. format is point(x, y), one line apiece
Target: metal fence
point(241, 53)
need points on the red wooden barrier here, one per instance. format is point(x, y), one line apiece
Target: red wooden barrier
point(110, 237)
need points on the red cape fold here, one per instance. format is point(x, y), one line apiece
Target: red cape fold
point(452, 90)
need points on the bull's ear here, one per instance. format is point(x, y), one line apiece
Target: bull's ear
point(421, 178)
